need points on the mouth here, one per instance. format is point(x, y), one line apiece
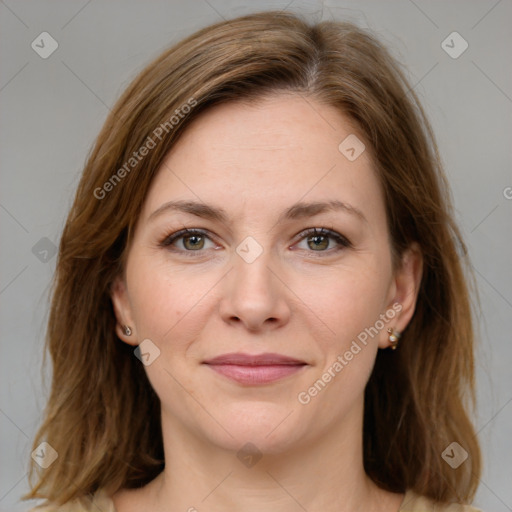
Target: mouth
point(255, 369)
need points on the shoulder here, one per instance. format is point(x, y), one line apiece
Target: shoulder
point(415, 503)
point(100, 500)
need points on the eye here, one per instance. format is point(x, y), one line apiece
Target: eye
point(320, 240)
point(189, 241)
point(192, 240)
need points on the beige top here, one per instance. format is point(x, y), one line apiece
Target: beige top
point(101, 501)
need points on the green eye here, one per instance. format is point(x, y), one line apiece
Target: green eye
point(318, 240)
point(193, 240)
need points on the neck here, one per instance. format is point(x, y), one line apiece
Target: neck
point(326, 474)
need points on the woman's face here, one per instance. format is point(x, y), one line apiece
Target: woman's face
point(251, 278)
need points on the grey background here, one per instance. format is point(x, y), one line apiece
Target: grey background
point(52, 109)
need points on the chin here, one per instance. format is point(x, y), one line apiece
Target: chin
point(271, 428)
point(256, 441)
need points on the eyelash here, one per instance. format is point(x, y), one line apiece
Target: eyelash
point(343, 242)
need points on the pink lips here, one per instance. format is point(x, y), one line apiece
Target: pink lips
point(257, 369)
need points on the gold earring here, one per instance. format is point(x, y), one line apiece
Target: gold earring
point(127, 331)
point(393, 337)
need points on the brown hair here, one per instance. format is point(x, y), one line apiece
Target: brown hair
point(417, 397)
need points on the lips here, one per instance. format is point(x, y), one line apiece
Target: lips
point(255, 369)
point(253, 360)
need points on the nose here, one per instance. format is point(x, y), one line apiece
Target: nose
point(255, 295)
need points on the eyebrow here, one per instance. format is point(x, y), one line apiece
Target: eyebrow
point(297, 211)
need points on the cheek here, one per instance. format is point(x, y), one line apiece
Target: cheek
point(345, 309)
point(345, 302)
point(157, 301)
point(167, 303)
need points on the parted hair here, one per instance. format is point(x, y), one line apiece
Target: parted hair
point(103, 417)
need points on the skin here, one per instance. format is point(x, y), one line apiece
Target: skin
point(295, 298)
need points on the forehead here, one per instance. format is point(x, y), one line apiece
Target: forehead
point(278, 123)
point(278, 149)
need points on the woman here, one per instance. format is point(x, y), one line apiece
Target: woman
point(259, 301)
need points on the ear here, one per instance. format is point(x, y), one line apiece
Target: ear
point(122, 310)
point(404, 291)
